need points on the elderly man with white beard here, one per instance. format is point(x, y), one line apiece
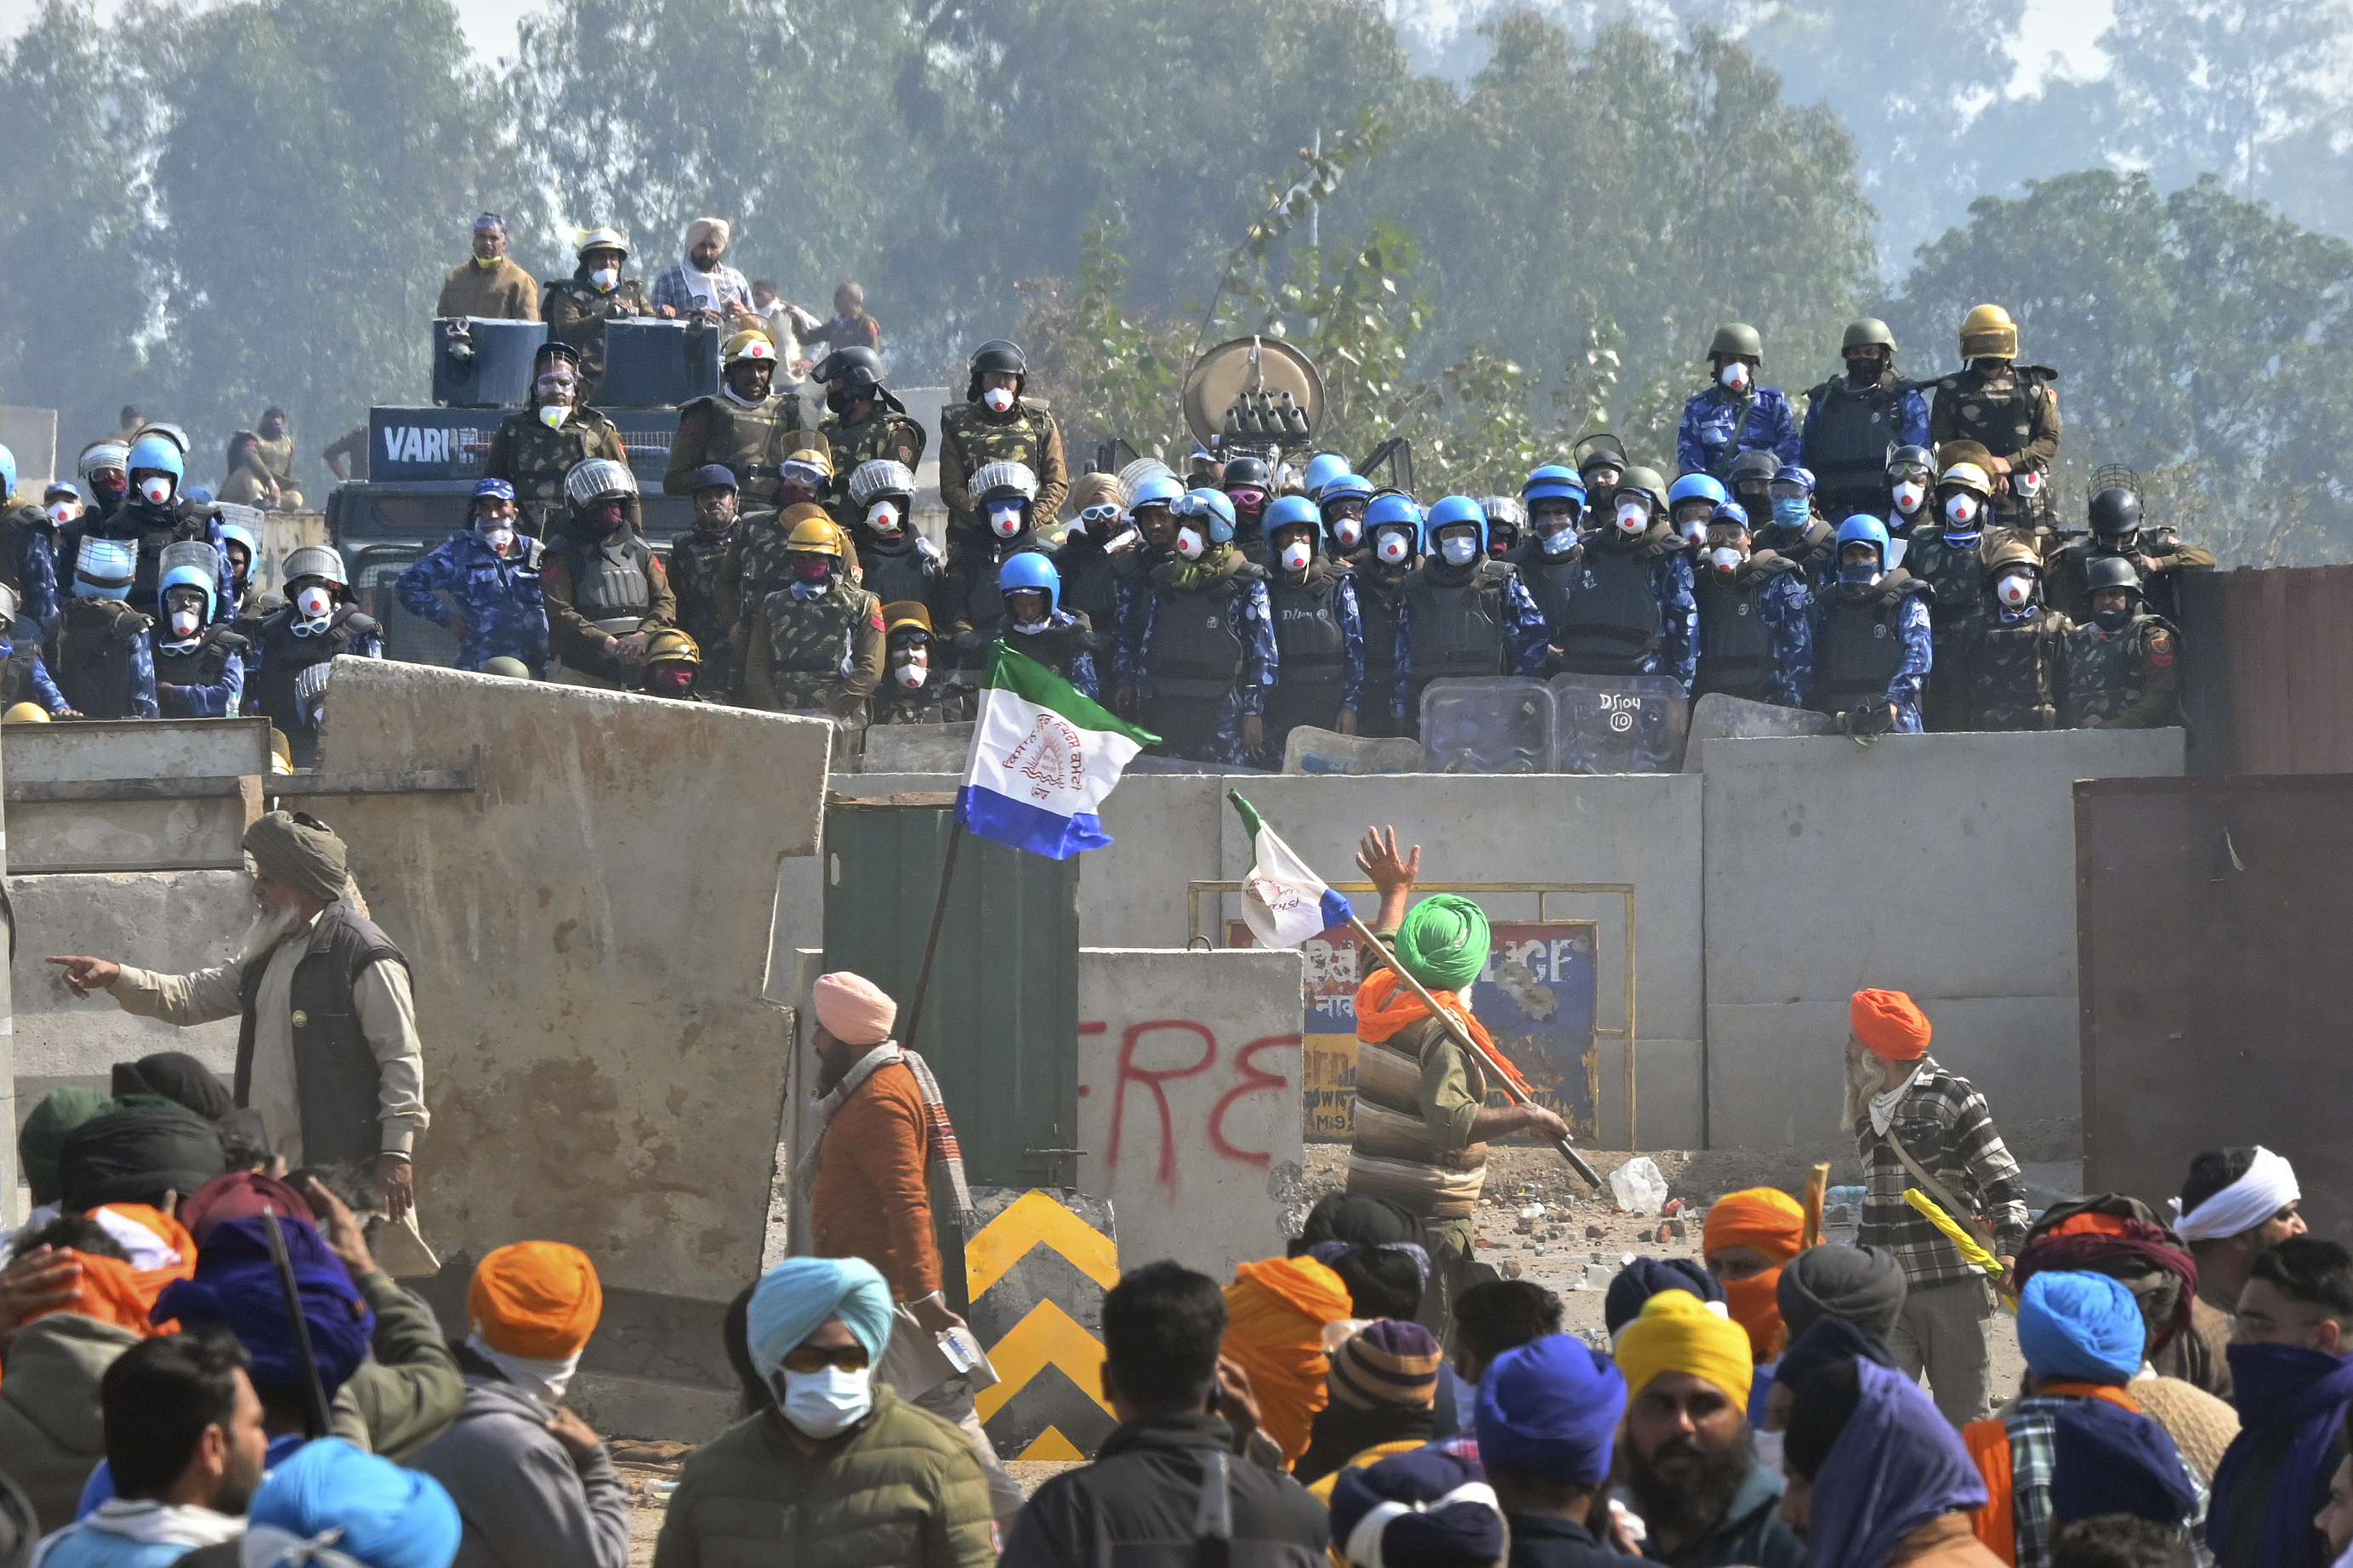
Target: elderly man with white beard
point(327, 1055)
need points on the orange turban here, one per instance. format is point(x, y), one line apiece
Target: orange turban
point(539, 1300)
point(1275, 1313)
point(1772, 1222)
point(113, 1291)
point(1891, 1024)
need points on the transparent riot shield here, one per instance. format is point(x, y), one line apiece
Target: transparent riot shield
point(1618, 723)
point(1486, 724)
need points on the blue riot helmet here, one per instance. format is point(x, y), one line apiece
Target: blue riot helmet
point(1696, 487)
point(1862, 528)
point(1394, 517)
point(1344, 487)
point(1212, 509)
point(1342, 501)
point(1554, 481)
point(1030, 568)
point(1160, 490)
point(1457, 512)
point(1322, 469)
point(191, 563)
point(155, 455)
point(1291, 511)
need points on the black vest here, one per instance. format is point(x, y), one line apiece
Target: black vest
point(1376, 612)
point(1850, 434)
point(285, 656)
point(1735, 646)
point(203, 664)
point(2010, 675)
point(1551, 580)
point(1309, 642)
point(16, 674)
point(609, 581)
point(1458, 622)
point(1613, 617)
point(892, 574)
point(336, 1076)
point(1089, 583)
point(1955, 575)
point(94, 656)
point(1056, 648)
point(1192, 654)
point(1859, 643)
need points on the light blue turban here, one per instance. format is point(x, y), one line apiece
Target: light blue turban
point(801, 1293)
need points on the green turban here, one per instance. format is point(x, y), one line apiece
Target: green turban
point(1444, 942)
point(43, 1139)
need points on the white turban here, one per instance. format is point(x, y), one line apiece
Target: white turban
point(704, 228)
point(2268, 1187)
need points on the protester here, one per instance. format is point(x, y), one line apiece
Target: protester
point(1686, 1455)
point(146, 1151)
point(352, 1088)
point(886, 1154)
point(1748, 1236)
point(1878, 1477)
point(2291, 1379)
point(1383, 1381)
point(535, 1487)
point(1546, 1414)
point(1416, 1510)
point(41, 1144)
point(2120, 1540)
point(1959, 1159)
point(369, 1511)
point(699, 284)
point(184, 1433)
point(1275, 1312)
point(1633, 1286)
point(1863, 1285)
point(867, 1479)
point(2235, 1206)
point(1829, 1340)
point(1162, 1327)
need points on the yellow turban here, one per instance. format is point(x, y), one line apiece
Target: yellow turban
point(1676, 1332)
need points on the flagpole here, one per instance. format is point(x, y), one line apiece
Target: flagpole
point(932, 943)
point(1464, 1039)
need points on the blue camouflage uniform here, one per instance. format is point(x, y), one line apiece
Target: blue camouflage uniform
point(37, 571)
point(1251, 618)
point(499, 596)
point(218, 700)
point(1678, 655)
point(1526, 638)
point(143, 683)
point(1352, 642)
point(1787, 606)
point(1704, 443)
point(40, 687)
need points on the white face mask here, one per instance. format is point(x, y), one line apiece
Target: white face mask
point(1962, 509)
point(2026, 482)
point(2014, 589)
point(185, 622)
point(883, 518)
point(1725, 558)
point(1909, 495)
point(1393, 549)
point(1457, 549)
point(1559, 543)
point(827, 1403)
point(1633, 517)
point(997, 398)
point(157, 489)
point(498, 538)
point(1693, 529)
point(1006, 521)
point(910, 672)
point(1768, 1450)
point(1348, 530)
point(64, 511)
point(314, 602)
point(1733, 375)
point(1296, 555)
point(1190, 543)
point(552, 415)
point(605, 276)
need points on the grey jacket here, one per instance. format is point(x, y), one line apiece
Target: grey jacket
point(525, 1504)
point(51, 1433)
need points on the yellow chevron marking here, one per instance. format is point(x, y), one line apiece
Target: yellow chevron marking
point(1052, 1445)
point(1047, 1337)
point(1034, 1220)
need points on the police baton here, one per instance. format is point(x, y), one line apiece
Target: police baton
point(315, 1390)
point(1463, 1037)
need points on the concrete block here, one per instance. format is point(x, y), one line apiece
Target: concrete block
point(622, 1406)
point(170, 922)
point(121, 835)
point(1188, 1101)
point(915, 748)
point(588, 930)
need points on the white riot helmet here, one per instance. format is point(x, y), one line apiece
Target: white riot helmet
point(997, 481)
point(597, 478)
point(869, 481)
point(317, 561)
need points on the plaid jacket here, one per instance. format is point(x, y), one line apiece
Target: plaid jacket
point(2033, 1457)
point(1944, 1122)
point(671, 289)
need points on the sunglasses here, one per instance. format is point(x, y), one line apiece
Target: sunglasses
point(815, 1358)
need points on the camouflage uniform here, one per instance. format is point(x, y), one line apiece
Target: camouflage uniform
point(934, 702)
point(498, 596)
point(535, 459)
point(2012, 668)
point(1955, 575)
point(695, 566)
point(825, 650)
point(751, 440)
point(2013, 411)
point(277, 457)
point(2157, 556)
point(753, 567)
point(885, 433)
point(574, 605)
point(2129, 679)
point(971, 437)
point(577, 313)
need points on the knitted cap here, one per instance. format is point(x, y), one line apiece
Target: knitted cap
point(1387, 1363)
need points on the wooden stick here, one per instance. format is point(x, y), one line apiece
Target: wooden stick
point(1818, 1187)
point(1464, 1039)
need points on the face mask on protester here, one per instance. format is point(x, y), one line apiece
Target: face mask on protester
point(1296, 555)
point(156, 488)
point(605, 276)
point(2014, 589)
point(314, 602)
point(827, 1401)
point(1633, 517)
point(1005, 521)
point(998, 399)
point(1725, 558)
point(1962, 510)
point(882, 517)
point(1393, 548)
point(1909, 495)
point(1458, 548)
point(1190, 543)
point(1346, 530)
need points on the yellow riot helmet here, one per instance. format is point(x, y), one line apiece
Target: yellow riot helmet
point(814, 533)
point(1987, 333)
point(670, 646)
point(748, 344)
point(26, 713)
point(1967, 477)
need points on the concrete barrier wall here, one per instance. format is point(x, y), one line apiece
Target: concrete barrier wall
point(1940, 865)
point(588, 933)
point(128, 835)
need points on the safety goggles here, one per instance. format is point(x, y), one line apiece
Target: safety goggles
point(803, 475)
point(1917, 473)
point(1099, 516)
point(816, 1357)
point(1779, 492)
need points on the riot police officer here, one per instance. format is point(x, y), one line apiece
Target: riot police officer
point(747, 427)
point(1794, 529)
point(2157, 558)
point(1755, 618)
point(1852, 420)
point(1945, 553)
point(1632, 612)
point(1151, 502)
point(534, 449)
point(575, 308)
point(1551, 558)
point(1340, 503)
point(1507, 521)
point(606, 592)
point(1463, 614)
point(1692, 500)
point(2124, 666)
point(1035, 623)
point(864, 423)
point(490, 570)
point(1600, 460)
point(106, 667)
point(970, 597)
point(1911, 483)
point(1095, 546)
point(2009, 409)
point(1377, 576)
point(299, 645)
point(199, 660)
point(894, 562)
point(673, 665)
point(817, 640)
point(1751, 483)
point(23, 671)
point(1249, 484)
point(913, 691)
point(154, 515)
point(1735, 415)
point(1873, 648)
point(1321, 470)
point(1317, 631)
point(756, 563)
point(697, 569)
point(1208, 656)
point(996, 423)
point(2011, 654)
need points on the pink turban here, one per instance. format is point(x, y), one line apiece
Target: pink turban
point(853, 1009)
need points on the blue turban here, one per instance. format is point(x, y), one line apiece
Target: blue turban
point(2107, 1459)
point(2083, 1327)
point(1446, 1515)
point(1895, 1465)
point(1645, 1277)
point(386, 1517)
point(235, 1286)
point(1550, 1406)
point(801, 1293)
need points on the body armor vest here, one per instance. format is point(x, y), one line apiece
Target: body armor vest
point(749, 441)
point(94, 657)
point(1089, 583)
point(894, 571)
point(1056, 648)
point(1955, 574)
point(1551, 580)
point(810, 638)
point(1376, 612)
point(2105, 675)
point(1613, 616)
point(1735, 646)
point(612, 584)
point(17, 673)
point(2010, 674)
point(202, 665)
point(1859, 645)
point(1458, 627)
point(1853, 428)
point(284, 656)
point(1310, 645)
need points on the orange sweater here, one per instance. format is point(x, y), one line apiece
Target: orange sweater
point(874, 1194)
